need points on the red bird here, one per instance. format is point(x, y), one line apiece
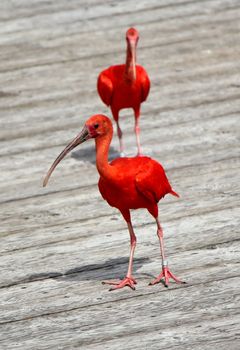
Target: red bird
point(125, 86)
point(125, 183)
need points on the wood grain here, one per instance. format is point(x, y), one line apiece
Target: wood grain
point(60, 242)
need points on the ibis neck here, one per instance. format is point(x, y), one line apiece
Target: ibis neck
point(130, 65)
point(102, 148)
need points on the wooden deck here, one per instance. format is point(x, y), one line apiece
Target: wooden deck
point(58, 243)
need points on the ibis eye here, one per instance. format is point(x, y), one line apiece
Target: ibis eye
point(96, 126)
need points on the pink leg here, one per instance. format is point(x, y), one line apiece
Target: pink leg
point(119, 132)
point(128, 280)
point(166, 274)
point(137, 132)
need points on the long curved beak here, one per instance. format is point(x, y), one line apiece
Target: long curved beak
point(80, 138)
point(133, 46)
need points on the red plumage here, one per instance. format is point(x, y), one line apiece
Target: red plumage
point(119, 93)
point(141, 186)
point(125, 86)
point(125, 183)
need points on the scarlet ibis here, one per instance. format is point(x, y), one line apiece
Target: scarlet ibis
point(125, 183)
point(125, 86)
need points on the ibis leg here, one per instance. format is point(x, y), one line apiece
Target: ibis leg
point(119, 132)
point(165, 274)
point(128, 280)
point(137, 132)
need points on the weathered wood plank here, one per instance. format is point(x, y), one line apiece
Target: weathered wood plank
point(181, 236)
point(56, 209)
point(58, 243)
point(216, 230)
point(224, 139)
point(169, 311)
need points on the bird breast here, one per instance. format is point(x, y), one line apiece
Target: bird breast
point(121, 194)
point(126, 93)
point(121, 191)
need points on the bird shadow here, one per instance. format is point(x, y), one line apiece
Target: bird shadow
point(110, 269)
point(88, 154)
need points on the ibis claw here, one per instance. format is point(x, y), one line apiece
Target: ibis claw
point(126, 282)
point(165, 276)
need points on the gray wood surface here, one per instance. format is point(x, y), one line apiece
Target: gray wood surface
point(60, 242)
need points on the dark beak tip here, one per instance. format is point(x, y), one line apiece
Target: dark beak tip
point(45, 182)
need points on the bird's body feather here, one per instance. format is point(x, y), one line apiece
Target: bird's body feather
point(141, 186)
point(118, 92)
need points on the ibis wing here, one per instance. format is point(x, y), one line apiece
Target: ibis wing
point(144, 186)
point(145, 84)
point(152, 182)
point(105, 88)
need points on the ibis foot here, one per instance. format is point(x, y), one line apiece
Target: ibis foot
point(165, 276)
point(140, 154)
point(126, 282)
